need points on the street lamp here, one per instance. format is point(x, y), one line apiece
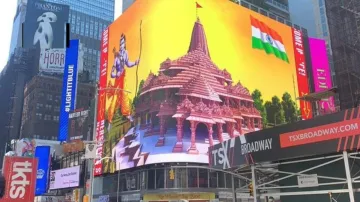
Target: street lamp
point(97, 90)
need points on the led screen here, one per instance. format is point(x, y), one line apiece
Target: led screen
point(321, 73)
point(65, 178)
point(178, 76)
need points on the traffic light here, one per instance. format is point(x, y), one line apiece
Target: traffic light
point(251, 189)
point(2, 185)
point(171, 174)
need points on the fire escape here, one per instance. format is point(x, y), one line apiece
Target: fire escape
point(344, 26)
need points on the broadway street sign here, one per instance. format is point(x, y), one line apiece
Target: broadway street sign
point(322, 135)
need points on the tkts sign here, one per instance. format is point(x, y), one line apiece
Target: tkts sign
point(327, 134)
point(20, 174)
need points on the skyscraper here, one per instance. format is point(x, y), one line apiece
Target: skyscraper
point(344, 32)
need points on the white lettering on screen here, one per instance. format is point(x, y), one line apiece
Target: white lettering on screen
point(19, 180)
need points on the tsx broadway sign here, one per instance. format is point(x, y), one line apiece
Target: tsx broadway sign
point(322, 135)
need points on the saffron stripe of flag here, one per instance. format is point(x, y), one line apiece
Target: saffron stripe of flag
point(267, 39)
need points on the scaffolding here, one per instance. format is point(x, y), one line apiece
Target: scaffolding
point(344, 27)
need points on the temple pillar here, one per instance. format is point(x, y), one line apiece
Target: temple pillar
point(248, 124)
point(193, 149)
point(253, 123)
point(210, 130)
point(227, 101)
point(230, 129)
point(260, 123)
point(161, 140)
point(220, 132)
point(151, 98)
point(239, 126)
point(179, 135)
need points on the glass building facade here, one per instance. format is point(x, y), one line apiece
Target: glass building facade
point(103, 9)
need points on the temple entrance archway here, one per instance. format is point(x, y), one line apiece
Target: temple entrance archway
point(201, 132)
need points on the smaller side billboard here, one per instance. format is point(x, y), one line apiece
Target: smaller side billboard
point(79, 128)
point(321, 73)
point(20, 176)
point(52, 60)
point(65, 178)
point(43, 155)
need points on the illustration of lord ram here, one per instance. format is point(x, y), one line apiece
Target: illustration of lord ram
point(119, 96)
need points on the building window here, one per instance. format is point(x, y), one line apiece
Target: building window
point(160, 178)
point(56, 118)
point(39, 105)
point(56, 108)
point(47, 117)
point(49, 97)
point(39, 116)
point(48, 107)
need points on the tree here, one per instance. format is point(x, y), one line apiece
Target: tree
point(259, 105)
point(289, 107)
point(275, 111)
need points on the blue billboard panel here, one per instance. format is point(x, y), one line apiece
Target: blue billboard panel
point(68, 96)
point(43, 155)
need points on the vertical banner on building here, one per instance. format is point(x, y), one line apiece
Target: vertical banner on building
point(100, 119)
point(42, 153)
point(321, 72)
point(301, 73)
point(69, 88)
point(20, 176)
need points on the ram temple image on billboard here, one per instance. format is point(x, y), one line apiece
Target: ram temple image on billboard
point(180, 76)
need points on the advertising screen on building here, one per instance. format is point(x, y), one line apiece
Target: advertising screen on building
point(321, 72)
point(20, 178)
point(328, 134)
point(79, 128)
point(209, 72)
point(45, 28)
point(65, 178)
point(52, 60)
point(42, 153)
point(69, 88)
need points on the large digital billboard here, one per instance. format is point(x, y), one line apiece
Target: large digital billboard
point(178, 76)
point(321, 72)
point(45, 28)
point(69, 88)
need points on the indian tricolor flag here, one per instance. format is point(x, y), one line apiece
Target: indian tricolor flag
point(267, 39)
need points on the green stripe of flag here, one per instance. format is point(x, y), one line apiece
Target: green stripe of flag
point(269, 49)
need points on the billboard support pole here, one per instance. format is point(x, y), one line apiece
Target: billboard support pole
point(253, 174)
point(233, 188)
point(348, 176)
point(92, 161)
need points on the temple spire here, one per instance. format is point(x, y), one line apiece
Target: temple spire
point(198, 39)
